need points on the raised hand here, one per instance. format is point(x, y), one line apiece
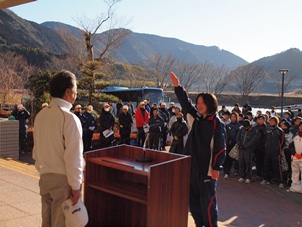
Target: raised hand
point(174, 79)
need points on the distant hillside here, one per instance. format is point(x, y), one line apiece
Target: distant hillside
point(290, 59)
point(40, 42)
point(15, 31)
point(76, 32)
point(139, 47)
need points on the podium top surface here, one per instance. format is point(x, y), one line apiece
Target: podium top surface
point(123, 163)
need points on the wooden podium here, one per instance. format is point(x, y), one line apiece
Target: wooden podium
point(119, 191)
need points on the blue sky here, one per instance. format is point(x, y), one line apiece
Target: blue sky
point(251, 29)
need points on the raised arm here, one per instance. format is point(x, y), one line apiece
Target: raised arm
point(182, 96)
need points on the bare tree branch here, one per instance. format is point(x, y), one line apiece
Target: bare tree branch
point(162, 66)
point(188, 74)
point(277, 80)
point(14, 73)
point(213, 79)
point(248, 79)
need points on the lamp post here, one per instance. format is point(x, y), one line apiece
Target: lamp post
point(283, 72)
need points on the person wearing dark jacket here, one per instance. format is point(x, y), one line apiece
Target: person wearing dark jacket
point(260, 146)
point(156, 124)
point(119, 106)
point(21, 114)
point(89, 125)
point(231, 141)
point(274, 141)
point(246, 141)
point(106, 127)
point(207, 145)
point(125, 123)
point(295, 125)
point(164, 113)
point(178, 130)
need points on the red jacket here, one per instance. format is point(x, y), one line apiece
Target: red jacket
point(140, 120)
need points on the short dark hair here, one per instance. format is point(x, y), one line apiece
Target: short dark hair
point(249, 113)
point(235, 114)
point(226, 113)
point(60, 82)
point(210, 101)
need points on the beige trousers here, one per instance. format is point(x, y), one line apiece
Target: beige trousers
point(54, 190)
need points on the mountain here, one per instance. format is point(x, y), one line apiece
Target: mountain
point(15, 31)
point(137, 48)
point(20, 35)
point(290, 59)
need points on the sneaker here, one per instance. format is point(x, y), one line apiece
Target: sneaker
point(235, 174)
point(247, 181)
point(240, 180)
point(226, 176)
point(264, 182)
point(281, 186)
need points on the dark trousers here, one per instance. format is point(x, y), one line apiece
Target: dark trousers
point(154, 138)
point(177, 146)
point(259, 154)
point(141, 136)
point(229, 162)
point(245, 163)
point(106, 142)
point(164, 135)
point(202, 200)
point(125, 138)
point(87, 140)
point(22, 145)
point(272, 167)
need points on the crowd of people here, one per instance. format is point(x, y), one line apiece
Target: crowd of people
point(153, 126)
point(264, 140)
point(266, 143)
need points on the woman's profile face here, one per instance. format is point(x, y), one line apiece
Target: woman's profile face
point(201, 106)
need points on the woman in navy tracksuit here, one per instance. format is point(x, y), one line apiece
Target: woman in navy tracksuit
point(207, 145)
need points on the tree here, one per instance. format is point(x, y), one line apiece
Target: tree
point(213, 79)
point(188, 74)
point(110, 40)
point(162, 66)
point(14, 73)
point(38, 84)
point(277, 80)
point(248, 79)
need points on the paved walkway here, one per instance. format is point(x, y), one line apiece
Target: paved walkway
point(240, 205)
point(250, 205)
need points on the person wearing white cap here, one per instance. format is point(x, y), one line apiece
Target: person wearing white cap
point(58, 150)
point(164, 113)
point(89, 125)
point(21, 114)
point(171, 107)
point(107, 122)
point(125, 123)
